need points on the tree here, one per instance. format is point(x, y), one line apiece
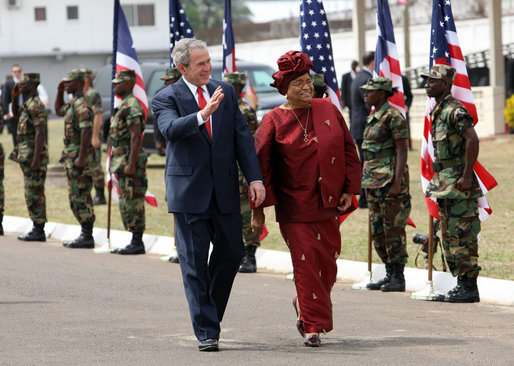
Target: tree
point(209, 13)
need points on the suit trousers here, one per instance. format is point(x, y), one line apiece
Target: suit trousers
point(208, 280)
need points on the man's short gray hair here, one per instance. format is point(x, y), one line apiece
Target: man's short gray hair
point(183, 48)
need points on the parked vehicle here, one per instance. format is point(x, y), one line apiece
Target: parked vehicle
point(260, 75)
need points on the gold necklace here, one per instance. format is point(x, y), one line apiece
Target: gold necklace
point(305, 138)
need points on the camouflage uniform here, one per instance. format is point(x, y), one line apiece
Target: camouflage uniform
point(249, 236)
point(77, 116)
point(133, 188)
point(458, 210)
point(32, 114)
point(95, 101)
point(388, 215)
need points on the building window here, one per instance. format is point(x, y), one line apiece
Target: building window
point(40, 14)
point(72, 12)
point(139, 15)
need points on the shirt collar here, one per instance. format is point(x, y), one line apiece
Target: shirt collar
point(193, 87)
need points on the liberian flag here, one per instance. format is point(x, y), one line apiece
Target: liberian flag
point(124, 57)
point(179, 25)
point(445, 49)
point(315, 41)
point(229, 46)
point(387, 62)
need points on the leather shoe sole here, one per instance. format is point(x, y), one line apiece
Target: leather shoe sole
point(208, 345)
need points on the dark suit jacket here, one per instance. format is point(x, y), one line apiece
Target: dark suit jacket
point(346, 90)
point(7, 94)
point(196, 166)
point(407, 92)
point(360, 110)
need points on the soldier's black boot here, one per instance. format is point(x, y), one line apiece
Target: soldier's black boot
point(136, 245)
point(36, 234)
point(397, 282)
point(468, 291)
point(249, 263)
point(99, 197)
point(383, 281)
point(84, 241)
point(1, 227)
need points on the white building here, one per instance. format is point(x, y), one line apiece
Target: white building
point(53, 37)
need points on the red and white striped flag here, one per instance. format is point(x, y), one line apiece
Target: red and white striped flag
point(445, 49)
point(387, 62)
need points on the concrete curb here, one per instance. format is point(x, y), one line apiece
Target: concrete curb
point(492, 290)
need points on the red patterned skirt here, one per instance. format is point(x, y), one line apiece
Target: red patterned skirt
point(314, 248)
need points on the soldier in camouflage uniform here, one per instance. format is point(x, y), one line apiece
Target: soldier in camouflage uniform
point(78, 155)
point(31, 151)
point(128, 160)
point(453, 184)
point(318, 81)
point(2, 159)
point(386, 182)
point(95, 101)
point(250, 238)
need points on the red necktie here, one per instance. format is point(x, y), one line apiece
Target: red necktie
point(202, 103)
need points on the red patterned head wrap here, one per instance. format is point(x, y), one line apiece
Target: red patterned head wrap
point(291, 65)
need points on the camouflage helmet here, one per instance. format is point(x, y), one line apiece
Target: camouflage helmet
point(238, 78)
point(171, 73)
point(318, 80)
point(440, 72)
point(30, 76)
point(75, 74)
point(379, 83)
point(124, 75)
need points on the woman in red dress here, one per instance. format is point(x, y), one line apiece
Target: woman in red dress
point(311, 171)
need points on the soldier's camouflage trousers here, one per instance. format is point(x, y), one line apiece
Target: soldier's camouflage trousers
point(249, 237)
point(460, 227)
point(388, 217)
point(35, 192)
point(132, 200)
point(79, 193)
point(98, 172)
point(2, 159)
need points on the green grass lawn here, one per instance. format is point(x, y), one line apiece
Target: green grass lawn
point(496, 247)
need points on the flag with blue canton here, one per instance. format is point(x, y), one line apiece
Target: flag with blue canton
point(229, 45)
point(179, 25)
point(315, 41)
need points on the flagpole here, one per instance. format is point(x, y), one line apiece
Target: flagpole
point(106, 248)
point(363, 285)
point(428, 293)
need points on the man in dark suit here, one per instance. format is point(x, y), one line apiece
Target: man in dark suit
point(360, 111)
point(407, 93)
point(346, 87)
point(206, 137)
point(8, 117)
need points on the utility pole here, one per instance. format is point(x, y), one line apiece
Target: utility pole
point(406, 35)
point(359, 27)
point(497, 64)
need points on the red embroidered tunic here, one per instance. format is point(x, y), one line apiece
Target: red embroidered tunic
point(304, 180)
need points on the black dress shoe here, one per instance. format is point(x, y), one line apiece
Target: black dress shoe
point(208, 345)
point(173, 259)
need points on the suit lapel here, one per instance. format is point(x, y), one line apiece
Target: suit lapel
point(188, 102)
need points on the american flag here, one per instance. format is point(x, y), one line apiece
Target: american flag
point(387, 62)
point(445, 49)
point(179, 25)
point(315, 41)
point(229, 46)
point(125, 58)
